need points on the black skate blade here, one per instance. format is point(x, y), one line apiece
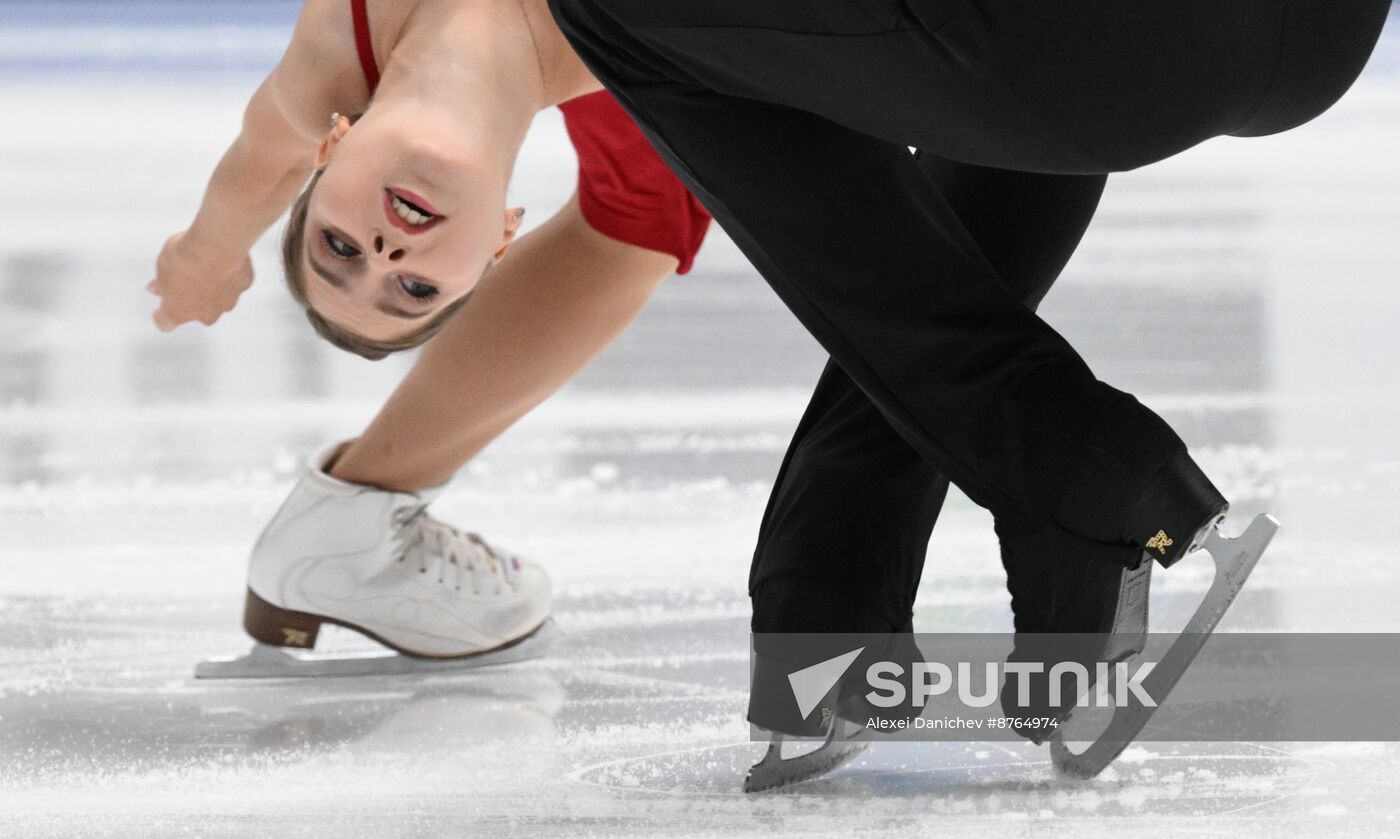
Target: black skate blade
point(268, 662)
point(1234, 560)
point(775, 771)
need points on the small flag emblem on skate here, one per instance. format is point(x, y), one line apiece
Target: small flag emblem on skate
point(296, 637)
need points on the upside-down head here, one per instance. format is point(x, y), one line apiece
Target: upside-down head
point(393, 232)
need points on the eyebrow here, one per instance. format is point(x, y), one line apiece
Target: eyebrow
point(383, 305)
point(390, 309)
point(336, 282)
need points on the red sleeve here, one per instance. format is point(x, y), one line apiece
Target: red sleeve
point(624, 189)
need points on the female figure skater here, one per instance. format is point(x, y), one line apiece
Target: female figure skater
point(404, 212)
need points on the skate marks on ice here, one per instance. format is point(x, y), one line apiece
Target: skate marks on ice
point(126, 696)
point(992, 780)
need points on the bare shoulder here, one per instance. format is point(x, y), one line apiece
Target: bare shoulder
point(320, 72)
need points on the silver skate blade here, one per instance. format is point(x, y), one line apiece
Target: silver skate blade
point(776, 771)
point(1234, 560)
point(267, 662)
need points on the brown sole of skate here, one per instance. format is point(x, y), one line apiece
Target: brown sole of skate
point(278, 627)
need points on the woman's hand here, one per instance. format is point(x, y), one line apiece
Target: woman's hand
point(196, 286)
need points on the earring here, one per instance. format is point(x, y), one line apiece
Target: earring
point(335, 119)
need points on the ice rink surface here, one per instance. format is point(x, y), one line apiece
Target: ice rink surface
point(1247, 289)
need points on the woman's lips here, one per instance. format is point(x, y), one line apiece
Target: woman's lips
point(415, 199)
point(393, 217)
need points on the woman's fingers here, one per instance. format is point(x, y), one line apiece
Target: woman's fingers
point(162, 319)
point(166, 317)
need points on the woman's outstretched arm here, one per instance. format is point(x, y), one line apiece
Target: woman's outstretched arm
point(561, 296)
point(201, 271)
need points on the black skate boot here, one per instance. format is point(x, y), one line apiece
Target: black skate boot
point(785, 609)
point(1135, 485)
point(1068, 608)
point(1234, 559)
point(1177, 513)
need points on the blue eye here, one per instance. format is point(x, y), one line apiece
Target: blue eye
point(339, 246)
point(417, 290)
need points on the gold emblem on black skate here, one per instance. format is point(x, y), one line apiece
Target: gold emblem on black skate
point(1161, 542)
point(295, 637)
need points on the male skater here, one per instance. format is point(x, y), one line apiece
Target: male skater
point(792, 122)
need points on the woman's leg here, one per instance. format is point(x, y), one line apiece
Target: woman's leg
point(564, 293)
point(354, 543)
point(747, 101)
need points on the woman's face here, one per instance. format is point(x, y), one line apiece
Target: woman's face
point(401, 224)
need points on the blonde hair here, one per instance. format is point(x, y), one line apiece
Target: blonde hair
point(293, 247)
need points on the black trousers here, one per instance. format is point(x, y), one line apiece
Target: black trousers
point(791, 122)
point(843, 540)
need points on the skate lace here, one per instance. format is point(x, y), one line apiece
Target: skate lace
point(461, 559)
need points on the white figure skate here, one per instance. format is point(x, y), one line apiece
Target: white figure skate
point(374, 561)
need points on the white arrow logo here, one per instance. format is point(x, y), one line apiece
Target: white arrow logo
point(810, 684)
